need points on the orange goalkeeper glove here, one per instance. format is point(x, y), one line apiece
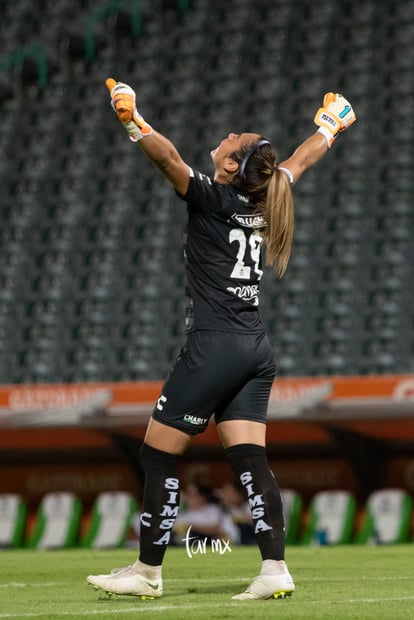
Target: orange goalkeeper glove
point(123, 102)
point(335, 116)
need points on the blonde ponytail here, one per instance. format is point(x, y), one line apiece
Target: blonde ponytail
point(269, 189)
point(279, 215)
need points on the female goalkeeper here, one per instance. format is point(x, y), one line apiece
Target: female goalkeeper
point(226, 365)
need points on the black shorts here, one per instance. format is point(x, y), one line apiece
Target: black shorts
point(226, 374)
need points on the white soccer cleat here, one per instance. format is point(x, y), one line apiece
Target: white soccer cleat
point(127, 581)
point(268, 586)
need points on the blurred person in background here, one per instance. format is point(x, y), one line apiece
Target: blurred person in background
point(238, 513)
point(201, 515)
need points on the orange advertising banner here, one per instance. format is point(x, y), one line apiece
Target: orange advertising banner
point(38, 397)
point(129, 395)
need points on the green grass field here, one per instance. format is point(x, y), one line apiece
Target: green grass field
point(359, 582)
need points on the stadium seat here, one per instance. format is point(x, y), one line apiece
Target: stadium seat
point(292, 510)
point(57, 522)
point(387, 517)
point(13, 512)
point(110, 520)
point(331, 518)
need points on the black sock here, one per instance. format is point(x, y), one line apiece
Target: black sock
point(160, 503)
point(250, 465)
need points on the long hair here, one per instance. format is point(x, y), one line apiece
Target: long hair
point(268, 188)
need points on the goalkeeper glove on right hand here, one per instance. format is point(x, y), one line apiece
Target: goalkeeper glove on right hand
point(335, 116)
point(123, 102)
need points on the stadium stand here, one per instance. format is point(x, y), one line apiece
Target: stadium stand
point(91, 261)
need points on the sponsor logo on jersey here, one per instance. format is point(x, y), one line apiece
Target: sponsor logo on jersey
point(249, 221)
point(242, 198)
point(192, 419)
point(249, 293)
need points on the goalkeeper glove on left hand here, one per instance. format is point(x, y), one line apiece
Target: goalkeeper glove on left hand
point(335, 116)
point(123, 102)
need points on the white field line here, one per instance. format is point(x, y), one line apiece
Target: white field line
point(53, 584)
point(21, 584)
point(148, 607)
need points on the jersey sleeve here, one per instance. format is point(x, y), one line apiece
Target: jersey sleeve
point(206, 195)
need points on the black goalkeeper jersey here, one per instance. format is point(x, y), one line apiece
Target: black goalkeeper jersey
point(222, 258)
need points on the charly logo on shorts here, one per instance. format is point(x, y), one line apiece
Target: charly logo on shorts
point(192, 419)
point(160, 402)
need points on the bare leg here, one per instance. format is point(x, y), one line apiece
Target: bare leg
point(234, 432)
point(166, 438)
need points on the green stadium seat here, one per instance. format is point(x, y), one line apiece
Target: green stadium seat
point(331, 518)
point(387, 517)
point(292, 512)
point(13, 512)
point(111, 518)
point(57, 522)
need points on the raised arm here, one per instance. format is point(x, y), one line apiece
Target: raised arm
point(159, 149)
point(335, 116)
point(165, 156)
